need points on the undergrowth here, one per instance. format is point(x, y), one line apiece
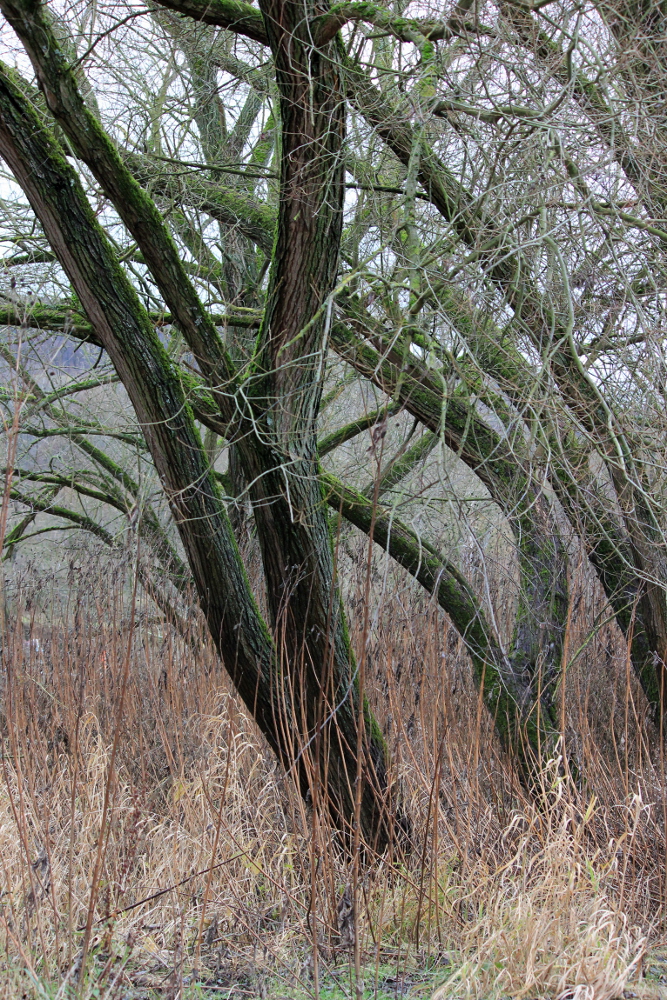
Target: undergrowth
point(150, 846)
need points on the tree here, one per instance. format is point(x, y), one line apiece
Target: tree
point(461, 217)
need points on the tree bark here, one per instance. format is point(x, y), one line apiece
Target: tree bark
point(286, 385)
point(124, 329)
point(314, 679)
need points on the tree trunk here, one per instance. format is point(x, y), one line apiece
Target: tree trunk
point(261, 675)
point(286, 385)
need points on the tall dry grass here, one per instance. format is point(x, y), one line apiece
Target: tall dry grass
point(146, 830)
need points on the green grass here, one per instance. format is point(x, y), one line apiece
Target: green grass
point(334, 984)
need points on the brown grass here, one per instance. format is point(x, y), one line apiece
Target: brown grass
point(204, 867)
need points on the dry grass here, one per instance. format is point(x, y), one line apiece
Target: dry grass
point(546, 924)
point(199, 872)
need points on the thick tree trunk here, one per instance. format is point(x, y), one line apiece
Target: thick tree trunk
point(293, 527)
point(261, 675)
point(129, 338)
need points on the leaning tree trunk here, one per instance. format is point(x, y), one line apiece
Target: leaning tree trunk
point(519, 688)
point(286, 384)
point(304, 691)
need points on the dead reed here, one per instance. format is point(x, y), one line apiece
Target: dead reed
point(146, 829)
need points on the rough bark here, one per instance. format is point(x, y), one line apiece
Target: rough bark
point(155, 390)
point(309, 691)
point(495, 675)
point(286, 385)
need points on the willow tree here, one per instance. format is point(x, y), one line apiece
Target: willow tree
point(297, 678)
point(451, 207)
